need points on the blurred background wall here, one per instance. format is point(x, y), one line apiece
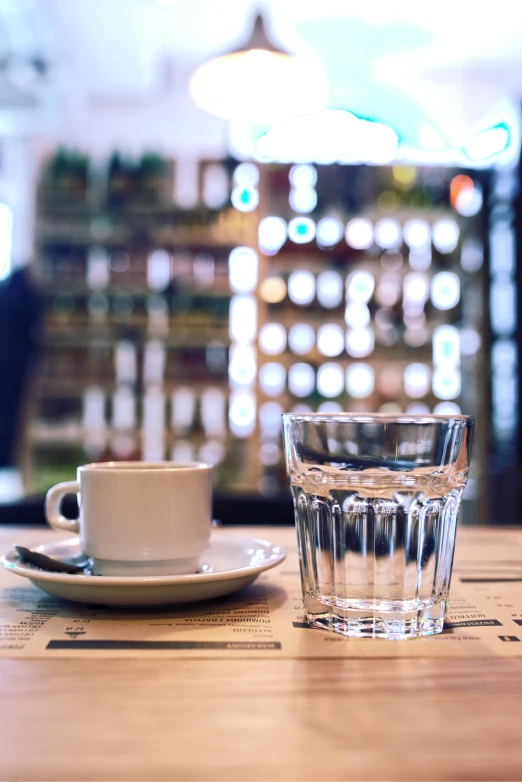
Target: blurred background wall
point(191, 243)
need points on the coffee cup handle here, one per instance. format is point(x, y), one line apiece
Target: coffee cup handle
point(53, 506)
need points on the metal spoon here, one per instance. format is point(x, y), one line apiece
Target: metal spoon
point(73, 565)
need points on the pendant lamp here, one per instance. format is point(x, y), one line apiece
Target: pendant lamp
point(259, 83)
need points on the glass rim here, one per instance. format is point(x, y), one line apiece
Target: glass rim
point(369, 418)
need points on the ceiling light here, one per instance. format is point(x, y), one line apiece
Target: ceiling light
point(328, 136)
point(259, 82)
point(488, 143)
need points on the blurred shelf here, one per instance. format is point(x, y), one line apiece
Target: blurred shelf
point(63, 388)
point(53, 288)
point(179, 342)
point(63, 436)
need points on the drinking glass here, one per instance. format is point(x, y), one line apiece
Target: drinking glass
point(376, 501)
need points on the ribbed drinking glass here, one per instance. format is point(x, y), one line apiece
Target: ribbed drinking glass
point(376, 501)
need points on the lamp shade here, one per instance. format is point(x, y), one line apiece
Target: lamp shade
point(258, 83)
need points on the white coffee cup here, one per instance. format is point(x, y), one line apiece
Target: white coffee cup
point(138, 518)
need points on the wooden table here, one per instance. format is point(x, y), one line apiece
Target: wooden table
point(416, 719)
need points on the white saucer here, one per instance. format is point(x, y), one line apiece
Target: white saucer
point(231, 562)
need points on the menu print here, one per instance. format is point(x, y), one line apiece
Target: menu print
point(266, 619)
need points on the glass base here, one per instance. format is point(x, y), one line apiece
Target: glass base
point(392, 626)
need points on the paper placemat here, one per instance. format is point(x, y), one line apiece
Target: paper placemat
point(266, 619)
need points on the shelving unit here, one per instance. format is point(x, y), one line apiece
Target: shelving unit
point(114, 327)
point(207, 324)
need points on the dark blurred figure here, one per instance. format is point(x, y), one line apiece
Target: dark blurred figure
point(21, 314)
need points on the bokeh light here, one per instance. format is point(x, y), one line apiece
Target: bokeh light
point(360, 380)
point(329, 232)
point(446, 383)
point(272, 339)
point(302, 199)
point(389, 289)
point(359, 233)
point(242, 269)
point(388, 234)
point(445, 235)
point(360, 286)
point(330, 407)
point(417, 234)
point(271, 234)
point(357, 315)
point(303, 175)
point(301, 379)
point(301, 230)
point(301, 338)
point(330, 340)
point(301, 287)
point(470, 341)
point(359, 342)
point(416, 380)
point(330, 380)
point(246, 174)
point(329, 289)
point(469, 202)
point(270, 419)
point(272, 290)
point(272, 379)
point(447, 408)
point(445, 290)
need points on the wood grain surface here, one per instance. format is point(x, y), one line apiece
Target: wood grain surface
point(261, 719)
